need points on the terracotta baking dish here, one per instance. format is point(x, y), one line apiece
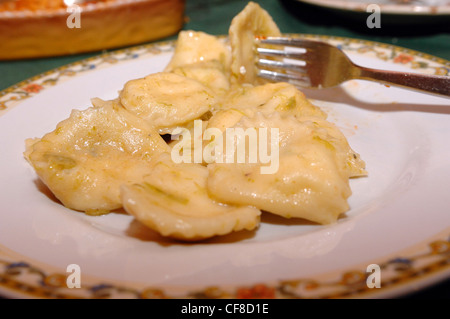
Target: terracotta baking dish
point(100, 24)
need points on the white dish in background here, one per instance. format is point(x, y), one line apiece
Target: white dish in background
point(398, 219)
point(412, 7)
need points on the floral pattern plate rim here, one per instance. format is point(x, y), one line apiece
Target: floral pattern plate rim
point(397, 220)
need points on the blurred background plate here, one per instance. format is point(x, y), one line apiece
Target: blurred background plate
point(414, 7)
point(43, 28)
point(394, 12)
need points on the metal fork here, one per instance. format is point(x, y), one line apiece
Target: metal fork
point(325, 65)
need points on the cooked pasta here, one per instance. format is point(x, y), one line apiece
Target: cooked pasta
point(113, 154)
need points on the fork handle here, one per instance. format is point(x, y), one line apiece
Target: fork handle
point(429, 83)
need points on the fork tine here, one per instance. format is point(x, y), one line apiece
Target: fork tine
point(291, 65)
point(293, 42)
point(329, 66)
point(280, 53)
point(294, 79)
point(273, 64)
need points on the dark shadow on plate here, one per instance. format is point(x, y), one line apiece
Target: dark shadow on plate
point(268, 218)
point(232, 237)
point(272, 219)
point(139, 231)
point(41, 187)
point(339, 95)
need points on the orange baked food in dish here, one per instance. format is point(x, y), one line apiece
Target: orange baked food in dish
point(39, 28)
point(35, 5)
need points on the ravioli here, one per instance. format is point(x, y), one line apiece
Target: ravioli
point(311, 181)
point(211, 74)
point(291, 162)
point(250, 23)
point(173, 201)
point(166, 99)
point(196, 46)
point(89, 155)
point(283, 98)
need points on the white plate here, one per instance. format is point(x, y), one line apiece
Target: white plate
point(412, 7)
point(399, 216)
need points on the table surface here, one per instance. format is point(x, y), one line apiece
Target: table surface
point(423, 34)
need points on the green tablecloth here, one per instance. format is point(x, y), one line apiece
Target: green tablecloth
point(423, 34)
